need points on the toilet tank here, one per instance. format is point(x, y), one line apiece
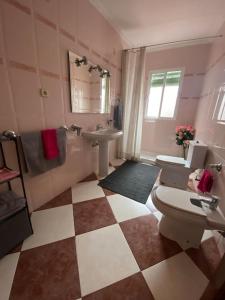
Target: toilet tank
point(196, 155)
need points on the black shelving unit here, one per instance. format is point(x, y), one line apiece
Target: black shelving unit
point(15, 224)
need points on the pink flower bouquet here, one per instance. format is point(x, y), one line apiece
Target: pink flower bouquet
point(184, 134)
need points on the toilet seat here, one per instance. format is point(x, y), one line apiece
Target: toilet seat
point(170, 160)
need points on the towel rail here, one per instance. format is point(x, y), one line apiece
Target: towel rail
point(73, 128)
point(10, 134)
point(65, 127)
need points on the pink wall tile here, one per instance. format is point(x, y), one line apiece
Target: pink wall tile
point(117, 82)
point(189, 106)
point(68, 16)
point(18, 32)
point(95, 20)
point(40, 188)
point(187, 57)
point(65, 45)
point(88, 34)
point(1, 37)
point(37, 36)
point(28, 104)
point(7, 115)
point(53, 105)
point(81, 161)
point(23, 4)
point(208, 129)
point(47, 9)
point(47, 46)
point(192, 86)
point(64, 178)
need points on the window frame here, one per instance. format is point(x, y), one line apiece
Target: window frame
point(219, 101)
point(152, 119)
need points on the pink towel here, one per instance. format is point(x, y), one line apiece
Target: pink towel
point(50, 146)
point(206, 182)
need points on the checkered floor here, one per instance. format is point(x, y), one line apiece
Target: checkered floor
point(90, 243)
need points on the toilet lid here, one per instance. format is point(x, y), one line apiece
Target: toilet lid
point(173, 160)
point(178, 199)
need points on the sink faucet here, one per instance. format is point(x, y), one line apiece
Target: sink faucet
point(76, 128)
point(109, 122)
point(99, 126)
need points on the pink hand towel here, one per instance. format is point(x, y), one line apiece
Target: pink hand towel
point(206, 182)
point(49, 140)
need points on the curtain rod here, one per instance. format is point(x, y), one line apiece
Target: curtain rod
point(175, 42)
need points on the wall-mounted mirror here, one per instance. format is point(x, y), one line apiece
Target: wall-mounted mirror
point(89, 86)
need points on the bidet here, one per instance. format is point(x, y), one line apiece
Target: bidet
point(184, 222)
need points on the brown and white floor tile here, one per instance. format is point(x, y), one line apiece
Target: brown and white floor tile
point(110, 170)
point(108, 192)
point(117, 162)
point(125, 208)
point(104, 258)
point(176, 278)
point(64, 198)
point(86, 191)
point(92, 214)
point(17, 248)
point(146, 243)
point(47, 272)
point(8, 266)
point(132, 288)
point(91, 177)
point(50, 225)
point(78, 249)
point(212, 293)
point(206, 257)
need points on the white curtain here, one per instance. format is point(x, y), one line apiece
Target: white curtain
point(133, 81)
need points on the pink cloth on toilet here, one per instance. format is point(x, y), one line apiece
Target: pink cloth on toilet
point(206, 182)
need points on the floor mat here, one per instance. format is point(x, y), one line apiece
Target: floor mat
point(134, 180)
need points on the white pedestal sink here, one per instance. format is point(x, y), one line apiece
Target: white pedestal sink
point(103, 136)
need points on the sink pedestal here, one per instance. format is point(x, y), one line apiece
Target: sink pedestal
point(103, 158)
point(103, 137)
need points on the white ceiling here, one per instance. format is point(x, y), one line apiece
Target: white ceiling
point(143, 22)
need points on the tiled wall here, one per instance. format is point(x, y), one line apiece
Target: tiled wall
point(159, 136)
point(209, 130)
point(34, 39)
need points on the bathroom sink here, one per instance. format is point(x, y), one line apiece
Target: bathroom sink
point(103, 136)
point(106, 134)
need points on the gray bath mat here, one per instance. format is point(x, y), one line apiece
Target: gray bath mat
point(134, 180)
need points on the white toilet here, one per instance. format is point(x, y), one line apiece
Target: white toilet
point(170, 160)
point(176, 170)
point(182, 221)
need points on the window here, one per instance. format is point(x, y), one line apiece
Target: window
point(219, 113)
point(163, 93)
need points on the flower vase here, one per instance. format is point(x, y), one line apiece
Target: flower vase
point(185, 148)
